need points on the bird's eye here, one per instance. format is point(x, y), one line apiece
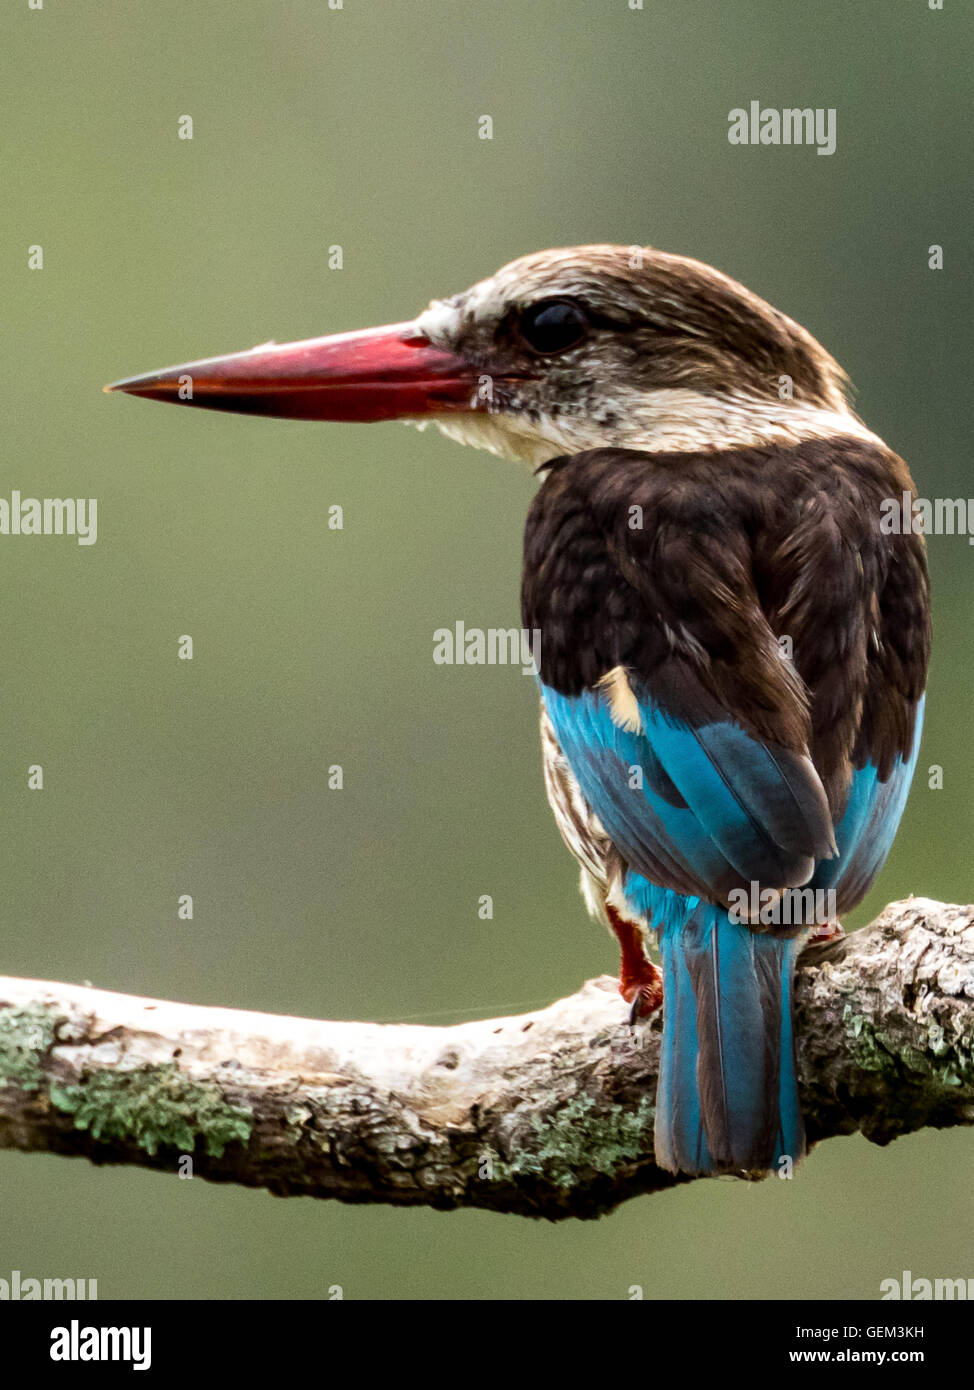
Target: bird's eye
point(553, 325)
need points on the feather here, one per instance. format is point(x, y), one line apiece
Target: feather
point(728, 1097)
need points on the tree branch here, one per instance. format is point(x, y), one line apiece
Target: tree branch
point(546, 1114)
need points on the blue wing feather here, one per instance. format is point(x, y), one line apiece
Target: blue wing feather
point(868, 826)
point(743, 812)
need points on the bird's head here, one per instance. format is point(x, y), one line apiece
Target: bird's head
point(560, 351)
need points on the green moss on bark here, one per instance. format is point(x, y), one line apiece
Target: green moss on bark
point(580, 1139)
point(944, 1061)
point(26, 1036)
point(154, 1107)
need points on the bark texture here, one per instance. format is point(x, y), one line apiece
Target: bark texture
point(545, 1114)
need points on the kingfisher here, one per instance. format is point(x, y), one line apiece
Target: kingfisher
point(733, 642)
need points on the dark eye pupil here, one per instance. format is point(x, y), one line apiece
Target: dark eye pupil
point(554, 326)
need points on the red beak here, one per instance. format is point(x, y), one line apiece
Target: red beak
point(379, 374)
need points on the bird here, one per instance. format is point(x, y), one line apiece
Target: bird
point(733, 644)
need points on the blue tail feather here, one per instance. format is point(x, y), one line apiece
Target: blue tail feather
point(727, 1096)
point(679, 1133)
point(791, 1134)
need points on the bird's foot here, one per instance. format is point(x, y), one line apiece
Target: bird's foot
point(640, 981)
point(825, 932)
point(646, 995)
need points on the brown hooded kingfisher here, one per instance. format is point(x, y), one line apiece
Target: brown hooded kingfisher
point(733, 646)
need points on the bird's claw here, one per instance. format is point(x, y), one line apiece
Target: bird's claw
point(824, 932)
point(644, 994)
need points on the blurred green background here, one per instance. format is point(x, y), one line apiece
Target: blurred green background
point(358, 127)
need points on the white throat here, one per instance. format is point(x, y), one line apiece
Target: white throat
point(667, 421)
